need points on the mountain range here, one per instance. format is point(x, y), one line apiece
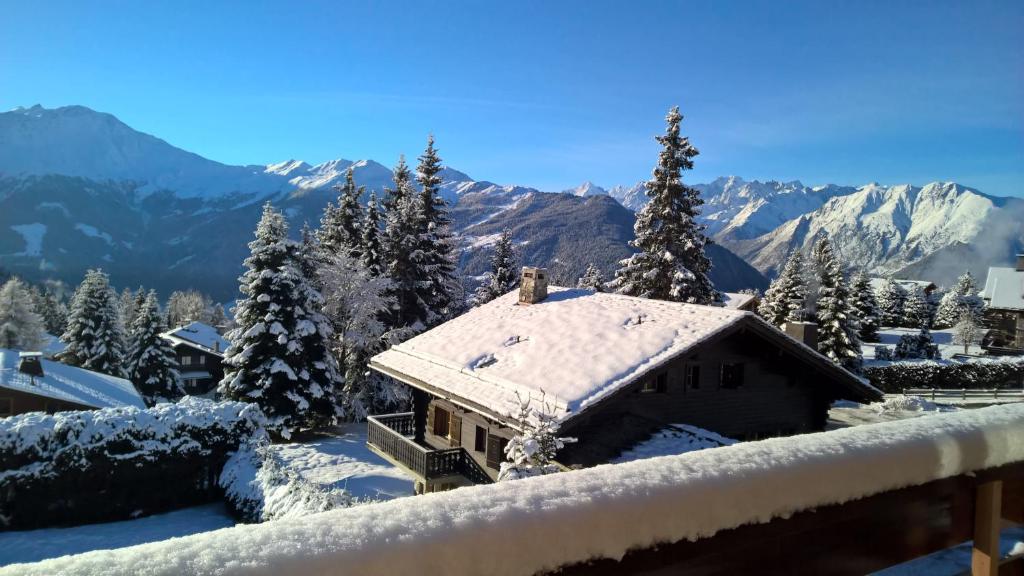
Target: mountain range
point(80, 189)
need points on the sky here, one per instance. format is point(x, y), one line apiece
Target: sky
point(550, 94)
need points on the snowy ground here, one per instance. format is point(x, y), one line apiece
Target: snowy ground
point(674, 439)
point(844, 413)
point(35, 545)
point(944, 338)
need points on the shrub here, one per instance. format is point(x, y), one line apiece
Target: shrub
point(897, 377)
point(116, 463)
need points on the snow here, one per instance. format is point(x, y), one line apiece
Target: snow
point(1004, 289)
point(674, 439)
point(575, 516)
point(36, 545)
point(93, 232)
point(736, 300)
point(198, 335)
point(63, 382)
point(576, 346)
point(33, 236)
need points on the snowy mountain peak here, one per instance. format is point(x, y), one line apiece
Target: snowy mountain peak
point(287, 167)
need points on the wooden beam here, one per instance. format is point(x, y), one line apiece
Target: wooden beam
point(987, 519)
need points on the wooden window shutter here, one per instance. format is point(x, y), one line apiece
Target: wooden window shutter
point(440, 421)
point(494, 455)
point(455, 431)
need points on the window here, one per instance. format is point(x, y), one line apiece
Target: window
point(693, 376)
point(732, 376)
point(495, 451)
point(202, 360)
point(186, 360)
point(480, 442)
point(657, 383)
point(6, 406)
point(440, 421)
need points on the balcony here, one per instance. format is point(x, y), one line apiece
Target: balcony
point(391, 435)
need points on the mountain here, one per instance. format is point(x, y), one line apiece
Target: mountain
point(80, 189)
point(588, 188)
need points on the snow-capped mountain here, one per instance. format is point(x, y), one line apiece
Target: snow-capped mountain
point(303, 176)
point(588, 188)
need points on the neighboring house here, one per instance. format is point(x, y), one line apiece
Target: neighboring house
point(909, 285)
point(200, 352)
point(740, 301)
point(31, 383)
point(612, 369)
point(1004, 309)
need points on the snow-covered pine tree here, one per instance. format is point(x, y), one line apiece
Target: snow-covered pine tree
point(503, 275)
point(95, 335)
point(20, 327)
point(961, 298)
point(53, 311)
point(279, 357)
point(533, 451)
point(891, 300)
point(401, 242)
point(867, 308)
point(671, 263)
point(916, 312)
point(437, 255)
point(592, 279)
point(152, 363)
point(837, 319)
point(372, 250)
point(339, 231)
point(786, 297)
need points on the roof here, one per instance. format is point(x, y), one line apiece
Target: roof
point(1004, 289)
point(878, 283)
point(69, 383)
point(197, 375)
point(737, 300)
point(198, 335)
point(574, 348)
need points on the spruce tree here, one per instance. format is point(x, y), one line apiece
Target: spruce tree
point(916, 312)
point(54, 313)
point(21, 328)
point(891, 300)
point(592, 279)
point(837, 318)
point(372, 251)
point(151, 362)
point(436, 256)
point(95, 335)
point(866, 306)
point(279, 357)
point(401, 242)
point(960, 299)
point(671, 263)
point(503, 275)
point(786, 297)
point(339, 231)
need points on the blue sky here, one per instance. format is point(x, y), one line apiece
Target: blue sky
point(548, 93)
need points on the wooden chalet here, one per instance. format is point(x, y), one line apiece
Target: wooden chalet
point(613, 369)
point(200, 351)
point(1004, 309)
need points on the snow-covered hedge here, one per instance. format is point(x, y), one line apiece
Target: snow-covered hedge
point(259, 487)
point(988, 373)
point(96, 465)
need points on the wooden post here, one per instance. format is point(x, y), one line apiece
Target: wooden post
point(987, 503)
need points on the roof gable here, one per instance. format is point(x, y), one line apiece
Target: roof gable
point(1004, 288)
point(69, 383)
point(198, 335)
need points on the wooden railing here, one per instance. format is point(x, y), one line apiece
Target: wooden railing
point(392, 434)
point(966, 394)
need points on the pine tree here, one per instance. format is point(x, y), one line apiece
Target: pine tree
point(20, 327)
point(916, 312)
point(592, 279)
point(502, 277)
point(786, 297)
point(152, 363)
point(837, 319)
point(54, 313)
point(339, 231)
point(436, 256)
point(671, 263)
point(95, 335)
point(962, 298)
point(372, 251)
point(867, 308)
point(401, 242)
point(891, 301)
point(533, 451)
point(279, 357)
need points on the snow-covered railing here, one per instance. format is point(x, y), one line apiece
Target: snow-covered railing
point(647, 509)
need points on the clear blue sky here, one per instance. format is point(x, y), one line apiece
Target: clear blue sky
point(549, 93)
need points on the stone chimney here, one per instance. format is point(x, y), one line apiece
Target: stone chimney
point(30, 363)
point(533, 287)
point(806, 332)
point(1020, 262)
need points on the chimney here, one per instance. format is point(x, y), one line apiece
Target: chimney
point(30, 363)
point(533, 287)
point(806, 332)
point(1020, 262)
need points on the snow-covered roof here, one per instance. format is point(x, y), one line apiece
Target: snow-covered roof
point(736, 300)
point(68, 383)
point(575, 348)
point(198, 335)
point(1004, 288)
point(538, 524)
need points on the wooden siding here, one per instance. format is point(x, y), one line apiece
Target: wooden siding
point(22, 402)
point(211, 364)
point(469, 421)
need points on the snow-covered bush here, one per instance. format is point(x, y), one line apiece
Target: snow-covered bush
point(259, 487)
point(904, 403)
point(917, 346)
point(883, 353)
point(977, 374)
point(99, 465)
point(532, 452)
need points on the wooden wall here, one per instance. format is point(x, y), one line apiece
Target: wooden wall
point(22, 402)
point(211, 364)
point(469, 421)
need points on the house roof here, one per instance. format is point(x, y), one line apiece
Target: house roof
point(575, 348)
point(736, 300)
point(1004, 289)
point(68, 383)
point(198, 335)
point(878, 283)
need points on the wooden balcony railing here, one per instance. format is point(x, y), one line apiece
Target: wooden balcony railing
point(392, 434)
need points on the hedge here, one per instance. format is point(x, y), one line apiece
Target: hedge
point(977, 374)
point(117, 463)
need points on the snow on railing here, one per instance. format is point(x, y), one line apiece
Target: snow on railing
point(526, 526)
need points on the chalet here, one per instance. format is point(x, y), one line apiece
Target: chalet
point(31, 383)
point(740, 301)
point(200, 351)
point(612, 369)
point(1004, 309)
point(908, 285)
